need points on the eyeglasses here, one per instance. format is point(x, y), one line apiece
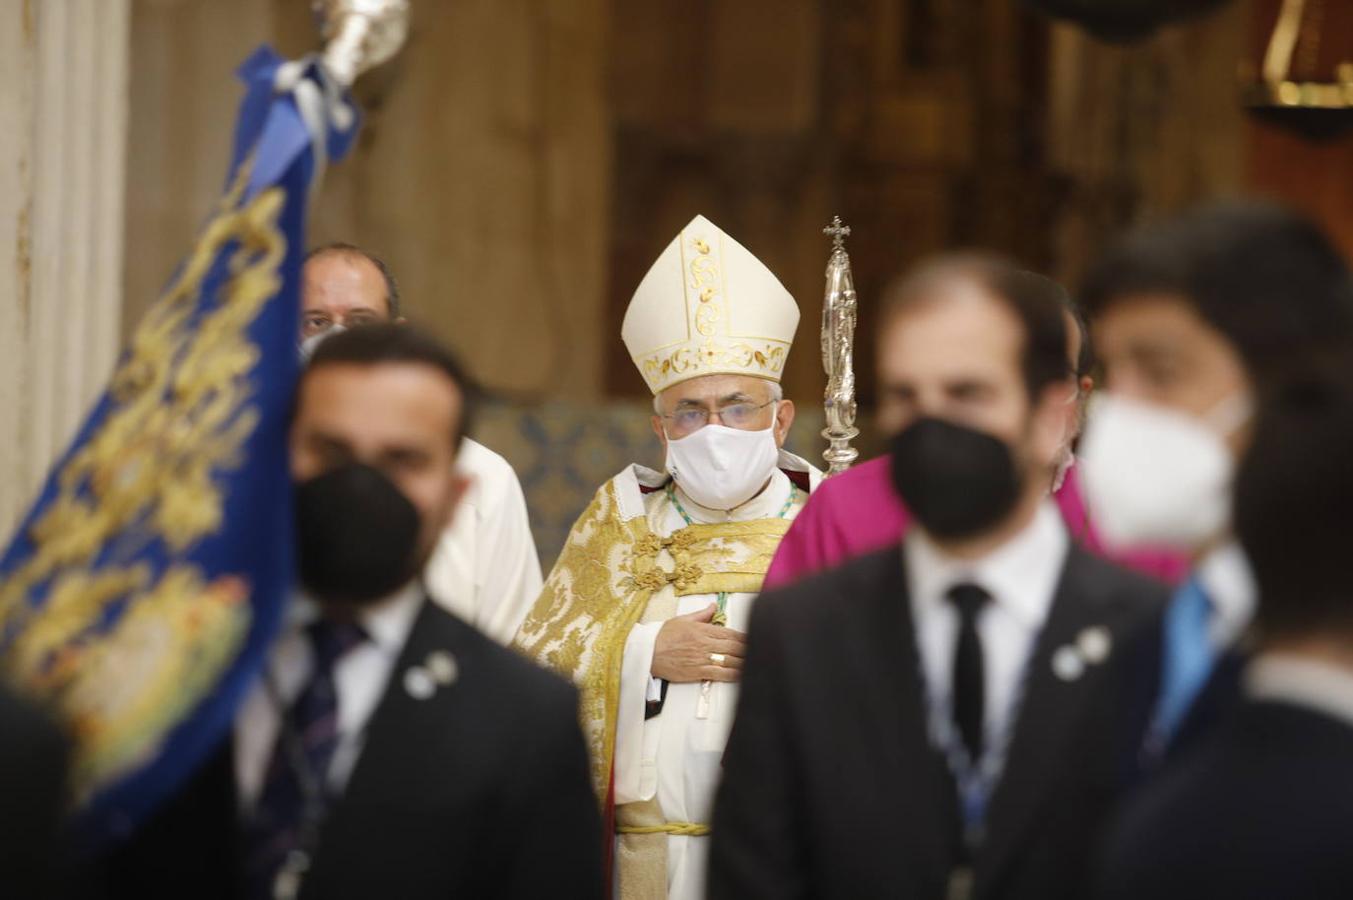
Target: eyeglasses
point(316, 321)
point(734, 415)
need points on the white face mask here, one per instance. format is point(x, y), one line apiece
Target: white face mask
point(307, 348)
point(1157, 477)
point(720, 467)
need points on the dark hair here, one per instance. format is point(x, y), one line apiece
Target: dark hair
point(1039, 303)
point(1085, 359)
point(339, 248)
point(389, 343)
point(1293, 492)
point(1265, 277)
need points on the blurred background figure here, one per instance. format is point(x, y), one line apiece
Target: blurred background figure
point(485, 568)
point(1191, 320)
point(945, 719)
point(342, 287)
point(857, 511)
point(1263, 807)
point(338, 780)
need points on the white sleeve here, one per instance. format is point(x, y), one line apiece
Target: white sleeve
point(507, 567)
point(636, 766)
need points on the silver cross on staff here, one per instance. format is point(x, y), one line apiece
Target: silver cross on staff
point(838, 233)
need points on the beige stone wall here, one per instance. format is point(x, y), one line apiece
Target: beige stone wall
point(524, 160)
point(63, 101)
point(481, 173)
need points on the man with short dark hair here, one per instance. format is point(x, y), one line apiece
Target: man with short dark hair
point(387, 748)
point(1192, 318)
point(485, 569)
point(1263, 807)
point(940, 721)
point(856, 511)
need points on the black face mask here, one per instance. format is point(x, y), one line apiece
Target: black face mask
point(957, 481)
point(356, 535)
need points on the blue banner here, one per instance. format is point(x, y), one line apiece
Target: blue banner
point(141, 591)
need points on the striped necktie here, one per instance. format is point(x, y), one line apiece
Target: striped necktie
point(304, 750)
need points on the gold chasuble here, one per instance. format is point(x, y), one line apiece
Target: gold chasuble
point(630, 559)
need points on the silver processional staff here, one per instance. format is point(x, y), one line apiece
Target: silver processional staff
point(838, 352)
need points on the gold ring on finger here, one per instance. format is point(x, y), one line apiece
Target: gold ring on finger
point(717, 658)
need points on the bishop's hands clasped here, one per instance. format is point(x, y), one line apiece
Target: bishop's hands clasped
point(689, 649)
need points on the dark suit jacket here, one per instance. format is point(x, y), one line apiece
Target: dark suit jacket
point(831, 785)
point(1262, 809)
point(33, 754)
point(1215, 703)
point(481, 790)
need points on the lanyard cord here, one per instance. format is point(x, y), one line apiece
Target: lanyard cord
point(975, 779)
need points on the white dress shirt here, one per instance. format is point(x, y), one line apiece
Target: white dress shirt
point(485, 569)
point(1317, 686)
point(360, 677)
point(1021, 576)
point(1229, 584)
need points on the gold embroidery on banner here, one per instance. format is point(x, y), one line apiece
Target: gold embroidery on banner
point(149, 472)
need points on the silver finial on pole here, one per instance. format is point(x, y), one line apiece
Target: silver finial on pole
point(360, 34)
point(838, 353)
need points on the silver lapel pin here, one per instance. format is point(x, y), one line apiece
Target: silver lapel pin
point(443, 667)
point(1095, 643)
point(1067, 663)
point(419, 683)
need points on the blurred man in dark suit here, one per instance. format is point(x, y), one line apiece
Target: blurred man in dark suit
point(33, 755)
point(1192, 318)
point(389, 749)
point(941, 721)
point(1263, 808)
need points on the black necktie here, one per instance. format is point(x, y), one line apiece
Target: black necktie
point(969, 684)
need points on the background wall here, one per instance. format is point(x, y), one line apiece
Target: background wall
point(480, 174)
point(523, 161)
point(63, 110)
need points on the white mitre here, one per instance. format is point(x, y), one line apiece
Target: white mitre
point(708, 307)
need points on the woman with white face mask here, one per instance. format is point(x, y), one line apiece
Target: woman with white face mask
point(1191, 320)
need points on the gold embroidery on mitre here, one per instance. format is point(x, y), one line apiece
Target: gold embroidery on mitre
point(764, 360)
point(181, 418)
point(705, 278)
